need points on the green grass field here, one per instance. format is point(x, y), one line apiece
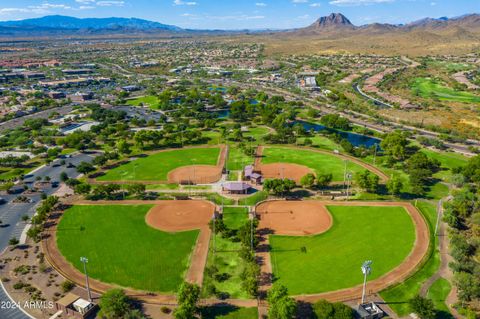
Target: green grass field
point(149, 100)
point(254, 199)
point(449, 161)
point(428, 88)
point(237, 159)
point(438, 292)
point(156, 167)
point(321, 163)
point(235, 217)
point(384, 235)
point(398, 295)
point(229, 312)
point(122, 249)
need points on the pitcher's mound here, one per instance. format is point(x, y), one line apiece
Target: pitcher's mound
point(175, 216)
point(294, 218)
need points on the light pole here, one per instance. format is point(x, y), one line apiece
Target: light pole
point(349, 181)
point(366, 270)
point(84, 260)
point(345, 175)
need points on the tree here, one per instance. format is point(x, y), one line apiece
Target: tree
point(123, 147)
point(13, 241)
point(394, 145)
point(82, 189)
point(326, 310)
point(308, 180)
point(188, 296)
point(137, 189)
point(323, 180)
point(114, 304)
point(278, 186)
point(85, 168)
point(423, 307)
point(394, 185)
point(281, 305)
point(63, 177)
point(367, 181)
point(35, 233)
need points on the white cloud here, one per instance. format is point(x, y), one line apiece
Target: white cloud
point(184, 3)
point(110, 3)
point(357, 2)
point(316, 5)
point(261, 4)
point(299, 1)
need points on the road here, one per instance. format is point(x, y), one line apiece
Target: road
point(11, 213)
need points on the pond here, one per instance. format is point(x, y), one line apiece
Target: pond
point(354, 138)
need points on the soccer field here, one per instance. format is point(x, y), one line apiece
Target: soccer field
point(122, 249)
point(331, 261)
point(319, 162)
point(156, 167)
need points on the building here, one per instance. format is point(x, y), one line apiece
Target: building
point(56, 95)
point(236, 188)
point(131, 88)
point(370, 311)
point(73, 306)
point(77, 72)
point(81, 97)
point(250, 174)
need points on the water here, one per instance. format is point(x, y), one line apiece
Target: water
point(354, 138)
point(223, 114)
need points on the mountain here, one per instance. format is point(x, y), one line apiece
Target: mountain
point(334, 20)
point(57, 22)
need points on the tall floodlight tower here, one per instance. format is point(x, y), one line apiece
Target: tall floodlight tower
point(366, 270)
point(84, 260)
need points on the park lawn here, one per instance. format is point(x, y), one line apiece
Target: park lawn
point(449, 161)
point(227, 261)
point(438, 191)
point(156, 167)
point(398, 296)
point(321, 163)
point(254, 199)
point(229, 312)
point(321, 142)
point(149, 100)
point(438, 292)
point(332, 260)
point(122, 249)
point(256, 133)
point(235, 217)
point(237, 160)
point(428, 88)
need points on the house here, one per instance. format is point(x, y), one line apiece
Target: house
point(56, 95)
point(73, 306)
point(236, 188)
point(250, 174)
point(77, 72)
point(131, 88)
point(369, 311)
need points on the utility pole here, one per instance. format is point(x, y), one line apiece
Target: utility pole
point(349, 181)
point(366, 270)
point(84, 260)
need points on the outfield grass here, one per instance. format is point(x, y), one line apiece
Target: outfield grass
point(237, 160)
point(156, 167)
point(257, 133)
point(229, 312)
point(150, 100)
point(321, 163)
point(397, 296)
point(384, 235)
point(235, 217)
point(428, 88)
point(322, 142)
point(122, 249)
point(254, 199)
point(438, 292)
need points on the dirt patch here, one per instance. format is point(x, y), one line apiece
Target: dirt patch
point(294, 218)
point(174, 216)
point(284, 170)
point(199, 174)
point(195, 174)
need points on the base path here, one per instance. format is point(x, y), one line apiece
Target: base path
point(277, 169)
point(199, 174)
point(171, 216)
point(398, 274)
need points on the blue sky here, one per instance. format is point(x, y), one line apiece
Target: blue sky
point(241, 14)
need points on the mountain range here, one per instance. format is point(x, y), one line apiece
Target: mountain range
point(334, 32)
